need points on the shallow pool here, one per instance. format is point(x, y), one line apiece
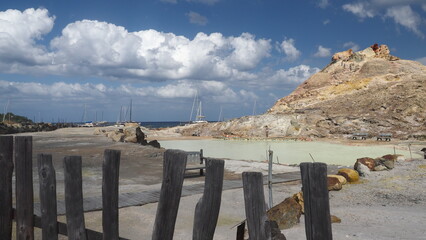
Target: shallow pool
point(285, 152)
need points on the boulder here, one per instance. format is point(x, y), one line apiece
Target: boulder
point(286, 214)
point(333, 184)
point(350, 174)
point(154, 143)
point(389, 164)
point(116, 136)
point(363, 170)
point(130, 139)
point(393, 157)
point(342, 179)
point(380, 168)
point(299, 199)
point(369, 162)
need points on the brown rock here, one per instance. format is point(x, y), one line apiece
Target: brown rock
point(369, 162)
point(333, 184)
point(350, 174)
point(392, 157)
point(342, 179)
point(335, 219)
point(342, 55)
point(299, 199)
point(286, 214)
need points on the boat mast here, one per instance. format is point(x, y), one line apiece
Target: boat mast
point(193, 105)
point(130, 110)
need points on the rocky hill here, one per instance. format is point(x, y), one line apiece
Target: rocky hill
point(369, 91)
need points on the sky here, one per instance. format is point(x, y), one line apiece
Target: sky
point(86, 60)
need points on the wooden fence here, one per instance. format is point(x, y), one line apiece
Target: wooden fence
point(18, 150)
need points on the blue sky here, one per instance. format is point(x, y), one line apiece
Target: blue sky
point(56, 57)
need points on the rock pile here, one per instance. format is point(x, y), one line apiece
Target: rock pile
point(129, 134)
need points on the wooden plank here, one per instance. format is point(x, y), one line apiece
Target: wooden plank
point(24, 188)
point(110, 175)
point(48, 209)
point(241, 231)
point(317, 206)
point(255, 206)
point(74, 198)
point(207, 208)
point(173, 174)
point(6, 166)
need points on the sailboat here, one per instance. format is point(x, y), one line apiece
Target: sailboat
point(199, 117)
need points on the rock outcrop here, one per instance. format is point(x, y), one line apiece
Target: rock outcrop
point(368, 91)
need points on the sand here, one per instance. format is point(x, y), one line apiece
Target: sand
point(383, 205)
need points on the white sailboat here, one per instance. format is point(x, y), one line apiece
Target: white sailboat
point(199, 117)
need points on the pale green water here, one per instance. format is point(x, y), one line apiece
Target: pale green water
point(288, 152)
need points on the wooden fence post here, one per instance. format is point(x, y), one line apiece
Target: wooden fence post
point(6, 166)
point(317, 206)
point(24, 188)
point(74, 198)
point(171, 189)
point(48, 209)
point(110, 176)
point(255, 206)
point(207, 209)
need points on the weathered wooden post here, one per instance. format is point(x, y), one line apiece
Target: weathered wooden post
point(110, 177)
point(171, 190)
point(74, 198)
point(317, 206)
point(201, 162)
point(6, 166)
point(24, 188)
point(207, 209)
point(255, 206)
point(270, 155)
point(48, 209)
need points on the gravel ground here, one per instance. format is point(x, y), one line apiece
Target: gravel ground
point(383, 205)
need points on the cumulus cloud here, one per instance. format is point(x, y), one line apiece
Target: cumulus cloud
point(323, 52)
point(94, 48)
point(351, 45)
point(400, 11)
point(406, 17)
point(196, 18)
point(291, 52)
point(18, 37)
point(326, 22)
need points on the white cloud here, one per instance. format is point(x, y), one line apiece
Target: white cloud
point(326, 22)
point(351, 45)
point(282, 78)
point(360, 9)
point(196, 18)
point(291, 52)
point(19, 34)
point(323, 52)
point(399, 11)
point(405, 16)
point(93, 48)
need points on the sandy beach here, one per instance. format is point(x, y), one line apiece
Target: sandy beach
point(383, 205)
